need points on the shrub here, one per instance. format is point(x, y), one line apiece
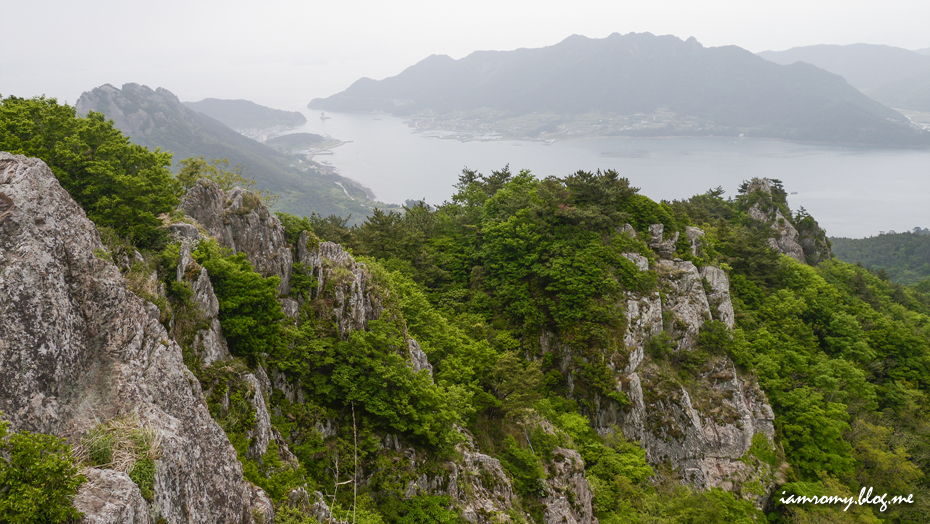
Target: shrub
point(38, 478)
point(119, 184)
point(250, 313)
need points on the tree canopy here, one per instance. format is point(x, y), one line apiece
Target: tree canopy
point(119, 184)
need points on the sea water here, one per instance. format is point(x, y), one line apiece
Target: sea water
point(852, 192)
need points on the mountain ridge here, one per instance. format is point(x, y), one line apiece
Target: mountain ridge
point(157, 118)
point(727, 89)
point(896, 77)
point(245, 114)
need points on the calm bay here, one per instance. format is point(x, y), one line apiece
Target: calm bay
point(851, 192)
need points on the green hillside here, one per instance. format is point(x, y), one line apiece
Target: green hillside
point(157, 119)
point(521, 292)
point(902, 257)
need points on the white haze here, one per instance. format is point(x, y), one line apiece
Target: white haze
point(284, 53)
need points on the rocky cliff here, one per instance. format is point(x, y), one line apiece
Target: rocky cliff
point(347, 295)
point(805, 241)
point(702, 427)
point(77, 348)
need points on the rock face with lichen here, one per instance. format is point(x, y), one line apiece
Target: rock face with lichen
point(243, 224)
point(77, 347)
point(801, 238)
point(705, 427)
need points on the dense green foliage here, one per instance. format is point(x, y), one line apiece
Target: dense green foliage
point(901, 257)
point(120, 185)
point(190, 170)
point(487, 282)
point(38, 478)
point(250, 314)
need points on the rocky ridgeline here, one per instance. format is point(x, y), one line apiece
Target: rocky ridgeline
point(137, 110)
point(806, 243)
point(77, 347)
point(477, 482)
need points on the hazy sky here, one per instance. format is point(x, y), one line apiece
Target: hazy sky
point(284, 53)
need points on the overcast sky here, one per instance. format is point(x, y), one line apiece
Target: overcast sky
point(284, 53)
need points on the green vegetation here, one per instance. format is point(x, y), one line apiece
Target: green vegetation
point(249, 311)
point(294, 142)
point(839, 352)
point(120, 185)
point(122, 444)
point(901, 257)
point(218, 170)
point(38, 478)
point(517, 291)
point(160, 120)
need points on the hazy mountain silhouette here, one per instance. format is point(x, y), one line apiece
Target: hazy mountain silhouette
point(626, 74)
point(243, 114)
point(156, 118)
point(895, 77)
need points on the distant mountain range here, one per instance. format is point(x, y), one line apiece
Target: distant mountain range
point(728, 89)
point(156, 118)
point(895, 77)
point(243, 114)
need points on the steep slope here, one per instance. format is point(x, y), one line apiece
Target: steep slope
point(705, 442)
point(895, 77)
point(158, 119)
point(731, 89)
point(77, 349)
point(243, 114)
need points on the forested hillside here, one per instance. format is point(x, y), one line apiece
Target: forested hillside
point(535, 350)
point(157, 119)
point(902, 257)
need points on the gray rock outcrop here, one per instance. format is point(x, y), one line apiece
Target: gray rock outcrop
point(418, 358)
point(243, 224)
point(664, 248)
point(785, 239)
point(702, 431)
point(77, 347)
point(568, 497)
point(111, 497)
point(685, 301)
point(209, 343)
point(482, 488)
point(355, 302)
point(718, 295)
